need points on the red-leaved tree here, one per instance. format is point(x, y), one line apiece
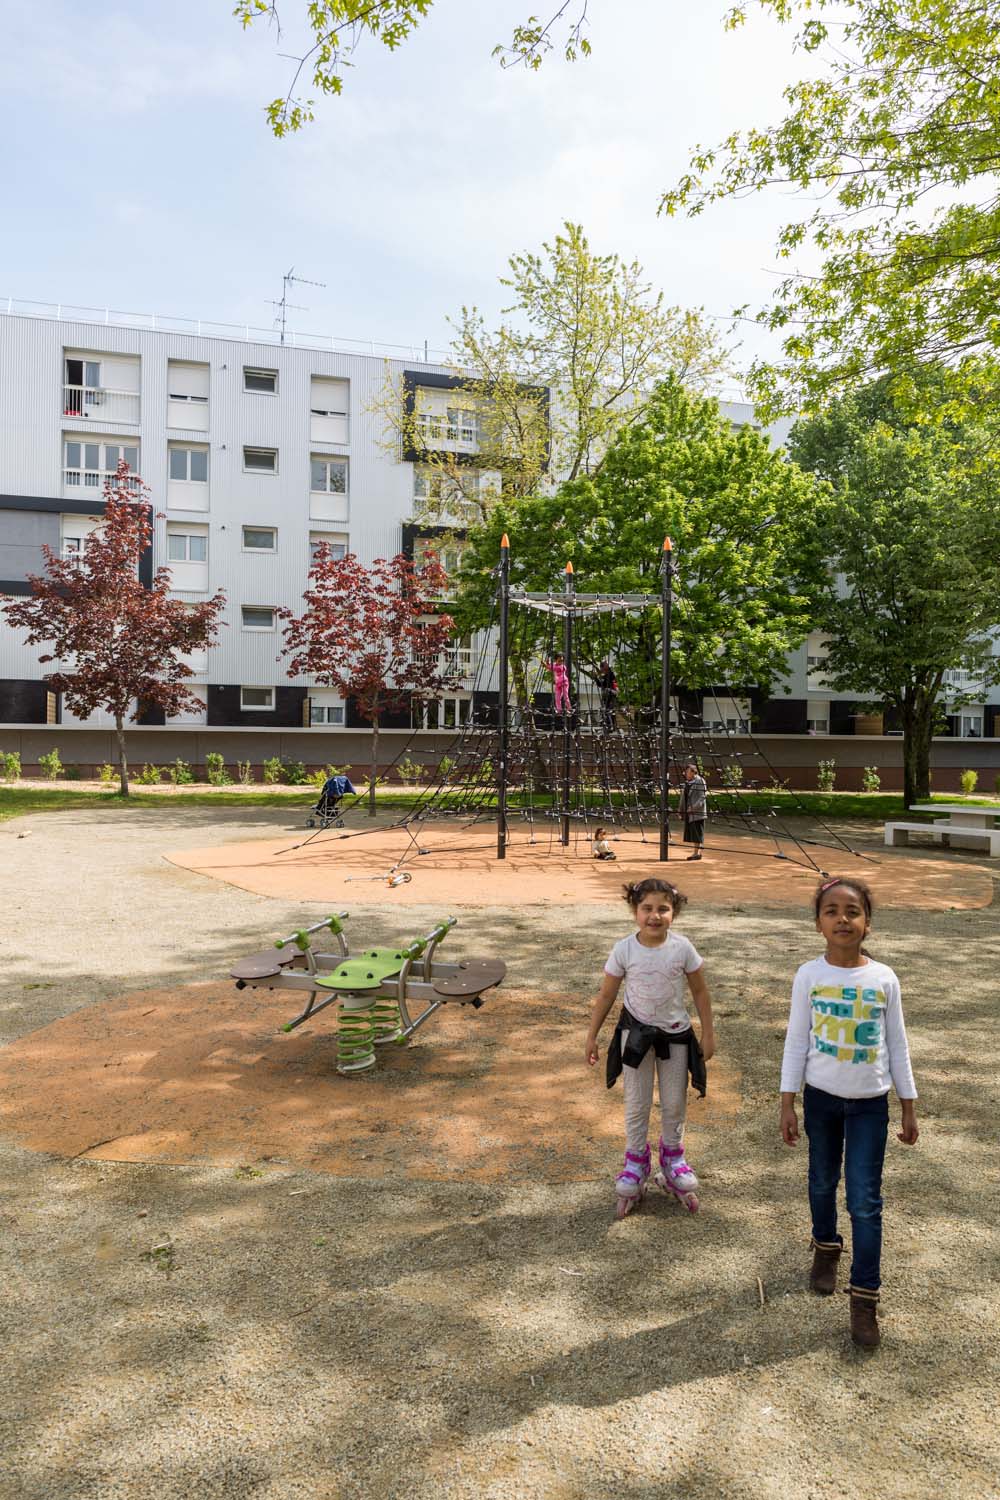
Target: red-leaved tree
point(373, 634)
point(116, 641)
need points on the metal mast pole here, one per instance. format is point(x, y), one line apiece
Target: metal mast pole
point(502, 709)
point(666, 581)
point(567, 714)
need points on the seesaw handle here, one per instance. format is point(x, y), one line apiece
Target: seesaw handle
point(301, 939)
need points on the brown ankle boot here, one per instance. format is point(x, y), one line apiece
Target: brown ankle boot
point(823, 1275)
point(864, 1318)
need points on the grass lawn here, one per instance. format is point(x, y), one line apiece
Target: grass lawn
point(58, 797)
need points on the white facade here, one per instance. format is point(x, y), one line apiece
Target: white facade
point(254, 453)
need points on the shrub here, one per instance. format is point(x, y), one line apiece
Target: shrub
point(11, 762)
point(73, 773)
point(293, 772)
point(409, 770)
point(149, 775)
point(215, 769)
point(996, 783)
point(968, 782)
point(826, 775)
point(50, 765)
point(870, 779)
point(106, 773)
point(180, 773)
point(732, 775)
point(272, 769)
point(244, 772)
point(445, 767)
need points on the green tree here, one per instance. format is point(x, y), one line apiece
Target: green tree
point(914, 536)
point(897, 144)
point(338, 27)
point(583, 342)
point(745, 523)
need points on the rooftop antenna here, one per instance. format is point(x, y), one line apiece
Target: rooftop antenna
point(284, 306)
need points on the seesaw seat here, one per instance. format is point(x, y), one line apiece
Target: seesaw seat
point(365, 972)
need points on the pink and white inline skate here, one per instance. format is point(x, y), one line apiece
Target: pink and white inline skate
point(630, 1184)
point(676, 1177)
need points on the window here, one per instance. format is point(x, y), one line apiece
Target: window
point(970, 725)
point(442, 713)
point(456, 427)
point(187, 395)
point(336, 544)
point(447, 553)
point(264, 382)
point(82, 386)
point(431, 483)
point(260, 460)
point(329, 410)
point(188, 465)
point(817, 717)
point(457, 658)
point(187, 383)
point(87, 465)
point(726, 715)
point(260, 539)
point(257, 698)
point(328, 475)
point(74, 533)
point(463, 425)
point(326, 708)
point(257, 617)
point(187, 546)
point(324, 713)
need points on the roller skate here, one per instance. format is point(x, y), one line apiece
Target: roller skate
point(676, 1177)
point(630, 1184)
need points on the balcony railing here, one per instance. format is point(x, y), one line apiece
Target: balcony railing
point(459, 662)
point(94, 479)
point(100, 404)
point(437, 432)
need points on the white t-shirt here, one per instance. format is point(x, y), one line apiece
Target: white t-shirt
point(846, 1033)
point(654, 989)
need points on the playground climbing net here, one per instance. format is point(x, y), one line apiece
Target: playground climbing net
point(547, 776)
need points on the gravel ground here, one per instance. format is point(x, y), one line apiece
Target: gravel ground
point(192, 1332)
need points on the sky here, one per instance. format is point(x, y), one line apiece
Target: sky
point(144, 175)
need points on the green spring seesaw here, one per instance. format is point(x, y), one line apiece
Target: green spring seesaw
point(374, 989)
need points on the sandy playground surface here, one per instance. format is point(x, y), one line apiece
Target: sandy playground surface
point(229, 1272)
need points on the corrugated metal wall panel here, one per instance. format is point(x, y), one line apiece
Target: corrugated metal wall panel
point(32, 423)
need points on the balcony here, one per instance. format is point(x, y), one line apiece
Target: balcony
point(99, 404)
point(94, 479)
point(456, 434)
point(460, 661)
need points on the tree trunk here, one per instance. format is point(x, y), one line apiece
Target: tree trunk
point(122, 757)
point(373, 773)
point(918, 725)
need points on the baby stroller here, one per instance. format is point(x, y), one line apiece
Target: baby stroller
point(327, 810)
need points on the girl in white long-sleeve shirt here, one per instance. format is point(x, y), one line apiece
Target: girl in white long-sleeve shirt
point(845, 1047)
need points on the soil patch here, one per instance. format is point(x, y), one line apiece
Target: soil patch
point(459, 867)
point(204, 1074)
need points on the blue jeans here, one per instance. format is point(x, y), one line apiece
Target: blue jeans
point(852, 1132)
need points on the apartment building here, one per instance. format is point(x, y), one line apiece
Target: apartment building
point(255, 451)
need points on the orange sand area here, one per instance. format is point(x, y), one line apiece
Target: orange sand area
point(204, 1074)
point(461, 869)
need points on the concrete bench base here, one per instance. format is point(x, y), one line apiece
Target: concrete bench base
point(950, 835)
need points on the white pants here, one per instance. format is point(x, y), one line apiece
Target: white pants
point(672, 1077)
